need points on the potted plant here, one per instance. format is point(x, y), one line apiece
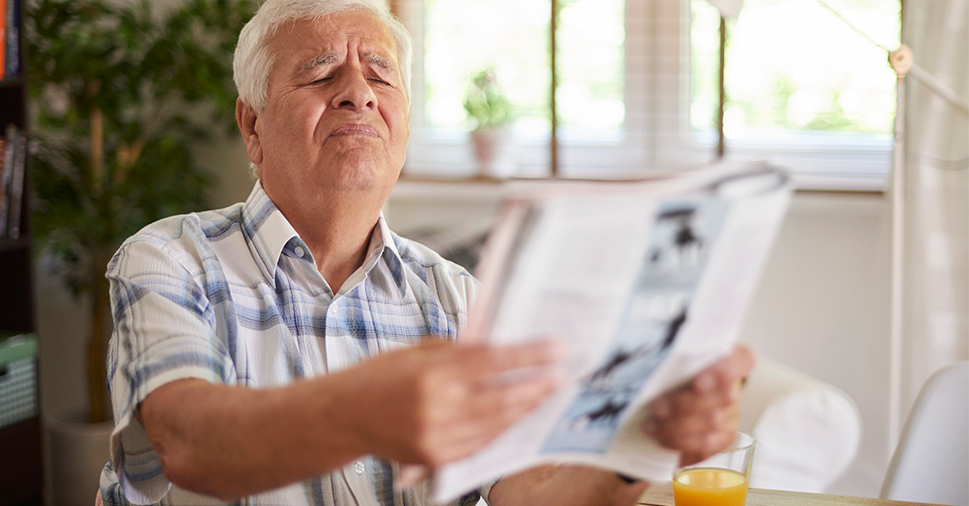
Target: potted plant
point(119, 95)
point(489, 111)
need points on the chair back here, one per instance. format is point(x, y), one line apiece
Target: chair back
point(808, 432)
point(931, 462)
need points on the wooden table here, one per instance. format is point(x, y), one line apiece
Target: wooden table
point(661, 494)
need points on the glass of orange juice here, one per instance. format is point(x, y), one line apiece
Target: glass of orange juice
point(720, 480)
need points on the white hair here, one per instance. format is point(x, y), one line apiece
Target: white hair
point(253, 60)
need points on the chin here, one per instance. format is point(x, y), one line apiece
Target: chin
point(363, 179)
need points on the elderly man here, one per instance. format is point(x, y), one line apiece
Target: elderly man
point(293, 350)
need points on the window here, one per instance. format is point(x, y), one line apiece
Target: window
point(801, 85)
point(512, 43)
point(637, 85)
point(455, 39)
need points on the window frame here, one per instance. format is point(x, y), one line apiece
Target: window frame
point(657, 132)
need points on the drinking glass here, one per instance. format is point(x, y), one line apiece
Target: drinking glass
point(720, 480)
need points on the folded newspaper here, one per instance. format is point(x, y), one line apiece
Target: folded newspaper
point(646, 281)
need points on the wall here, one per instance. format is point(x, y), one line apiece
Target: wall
point(822, 307)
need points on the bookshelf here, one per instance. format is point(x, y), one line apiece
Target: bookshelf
point(21, 467)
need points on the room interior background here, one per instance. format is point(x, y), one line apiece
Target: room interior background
point(823, 305)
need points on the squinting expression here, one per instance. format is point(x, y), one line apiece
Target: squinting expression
point(336, 119)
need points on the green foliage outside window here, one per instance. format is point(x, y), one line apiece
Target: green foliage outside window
point(793, 67)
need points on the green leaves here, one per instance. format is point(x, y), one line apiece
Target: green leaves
point(484, 101)
point(120, 94)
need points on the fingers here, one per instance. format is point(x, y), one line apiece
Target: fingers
point(440, 402)
point(499, 408)
point(510, 400)
point(713, 444)
point(700, 418)
point(726, 371)
point(699, 435)
point(716, 386)
point(695, 422)
point(689, 399)
point(494, 360)
point(493, 400)
point(486, 380)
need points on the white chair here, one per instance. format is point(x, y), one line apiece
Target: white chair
point(808, 431)
point(931, 462)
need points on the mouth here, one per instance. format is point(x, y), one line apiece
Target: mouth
point(351, 129)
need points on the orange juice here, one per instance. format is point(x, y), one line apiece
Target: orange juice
point(707, 486)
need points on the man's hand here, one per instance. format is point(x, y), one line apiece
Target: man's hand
point(700, 418)
point(438, 402)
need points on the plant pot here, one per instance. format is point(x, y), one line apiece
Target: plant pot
point(492, 152)
point(78, 450)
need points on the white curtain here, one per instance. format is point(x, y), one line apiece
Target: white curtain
point(931, 197)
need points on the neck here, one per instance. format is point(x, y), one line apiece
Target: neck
point(339, 245)
point(337, 232)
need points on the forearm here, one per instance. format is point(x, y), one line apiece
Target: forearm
point(231, 441)
point(427, 404)
point(565, 485)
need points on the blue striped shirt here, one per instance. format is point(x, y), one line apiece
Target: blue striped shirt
point(233, 296)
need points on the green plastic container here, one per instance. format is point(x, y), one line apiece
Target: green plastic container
point(18, 379)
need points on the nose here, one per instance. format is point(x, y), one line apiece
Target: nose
point(354, 91)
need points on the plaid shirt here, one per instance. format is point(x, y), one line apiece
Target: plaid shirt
point(233, 296)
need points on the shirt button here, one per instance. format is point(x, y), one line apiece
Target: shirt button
point(299, 251)
point(359, 467)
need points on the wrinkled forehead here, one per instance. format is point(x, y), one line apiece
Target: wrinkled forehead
point(331, 35)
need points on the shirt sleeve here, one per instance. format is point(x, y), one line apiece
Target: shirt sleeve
point(164, 331)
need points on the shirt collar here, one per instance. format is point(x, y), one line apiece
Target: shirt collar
point(386, 238)
point(269, 232)
point(382, 247)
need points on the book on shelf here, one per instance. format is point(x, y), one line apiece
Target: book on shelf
point(12, 39)
point(17, 186)
point(646, 282)
point(5, 171)
point(3, 38)
point(3, 183)
point(14, 163)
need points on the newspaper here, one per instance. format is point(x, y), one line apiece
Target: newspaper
point(646, 282)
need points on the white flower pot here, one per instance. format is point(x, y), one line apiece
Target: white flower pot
point(492, 152)
point(78, 452)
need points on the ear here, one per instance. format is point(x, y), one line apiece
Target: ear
point(246, 117)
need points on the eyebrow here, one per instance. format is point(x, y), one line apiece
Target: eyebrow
point(380, 61)
point(323, 60)
point(317, 62)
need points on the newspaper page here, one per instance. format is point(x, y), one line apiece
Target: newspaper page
point(645, 281)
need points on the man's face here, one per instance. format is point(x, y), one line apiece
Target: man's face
point(336, 118)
